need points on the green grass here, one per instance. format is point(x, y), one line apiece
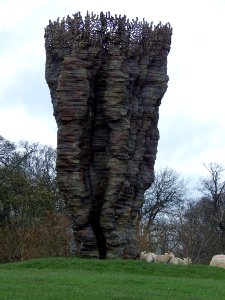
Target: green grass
point(74, 278)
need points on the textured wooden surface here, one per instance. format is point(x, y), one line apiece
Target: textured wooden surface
point(107, 76)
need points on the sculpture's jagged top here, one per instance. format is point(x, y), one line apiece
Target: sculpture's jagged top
point(104, 30)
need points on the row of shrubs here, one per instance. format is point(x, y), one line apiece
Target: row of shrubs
point(49, 236)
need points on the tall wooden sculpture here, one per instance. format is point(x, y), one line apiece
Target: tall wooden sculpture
point(107, 76)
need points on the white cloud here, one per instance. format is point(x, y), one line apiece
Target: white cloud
point(14, 12)
point(17, 124)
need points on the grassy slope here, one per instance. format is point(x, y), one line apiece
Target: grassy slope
point(73, 278)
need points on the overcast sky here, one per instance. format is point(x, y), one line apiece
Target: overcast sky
point(192, 114)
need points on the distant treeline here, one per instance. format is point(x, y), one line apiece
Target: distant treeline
point(34, 221)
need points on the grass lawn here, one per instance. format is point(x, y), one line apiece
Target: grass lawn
point(74, 278)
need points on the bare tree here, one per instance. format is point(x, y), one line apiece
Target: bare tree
point(162, 203)
point(213, 188)
point(166, 193)
point(197, 237)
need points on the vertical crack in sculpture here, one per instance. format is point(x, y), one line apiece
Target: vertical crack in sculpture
point(107, 77)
